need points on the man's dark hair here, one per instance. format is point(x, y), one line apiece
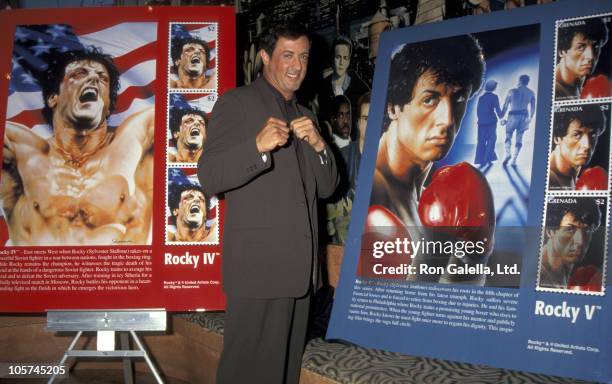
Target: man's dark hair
point(591, 117)
point(456, 60)
point(363, 99)
point(176, 50)
point(341, 40)
point(337, 101)
point(524, 79)
point(58, 61)
point(593, 29)
point(177, 114)
point(288, 30)
point(174, 198)
point(585, 210)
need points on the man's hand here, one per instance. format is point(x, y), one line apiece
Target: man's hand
point(274, 133)
point(305, 129)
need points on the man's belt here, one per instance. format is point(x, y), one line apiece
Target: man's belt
point(519, 112)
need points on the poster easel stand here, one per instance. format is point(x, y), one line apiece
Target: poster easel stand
point(105, 323)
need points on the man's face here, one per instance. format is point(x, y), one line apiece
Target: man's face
point(571, 240)
point(192, 209)
point(362, 123)
point(342, 59)
point(578, 145)
point(427, 125)
point(192, 131)
point(193, 59)
point(581, 58)
point(286, 69)
point(341, 122)
point(84, 95)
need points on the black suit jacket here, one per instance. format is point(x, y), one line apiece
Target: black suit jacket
point(270, 222)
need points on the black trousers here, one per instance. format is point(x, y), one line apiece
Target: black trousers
point(263, 340)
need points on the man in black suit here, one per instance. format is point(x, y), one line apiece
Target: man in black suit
point(265, 152)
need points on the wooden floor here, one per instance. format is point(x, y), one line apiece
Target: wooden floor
point(90, 376)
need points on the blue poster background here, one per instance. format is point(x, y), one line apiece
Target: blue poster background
point(519, 339)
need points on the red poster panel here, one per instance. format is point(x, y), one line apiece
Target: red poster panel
point(105, 115)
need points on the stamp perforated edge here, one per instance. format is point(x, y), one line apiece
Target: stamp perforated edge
point(550, 148)
point(166, 207)
point(217, 48)
point(167, 128)
point(605, 250)
point(557, 23)
point(548, 193)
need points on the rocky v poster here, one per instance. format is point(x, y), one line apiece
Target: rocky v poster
point(481, 216)
point(104, 119)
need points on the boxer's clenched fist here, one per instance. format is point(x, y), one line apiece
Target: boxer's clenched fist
point(458, 201)
point(592, 179)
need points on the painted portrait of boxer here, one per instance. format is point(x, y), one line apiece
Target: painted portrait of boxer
point(82, 172)
point(193, 56)
point(188, 133)
point(579, 73)
point(572, 253)
point(424, 188)
point(187, 123)
point(191, 215)
point(429, 88)
point(580, 147)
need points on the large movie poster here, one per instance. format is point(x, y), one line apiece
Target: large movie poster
point(105, 120)
point(482, 208)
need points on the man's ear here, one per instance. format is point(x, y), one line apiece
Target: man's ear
point(557, 140)
point(562, 55)
point(175, 134)
point(175, 212)
point(52, 101)
point(393, 111)
point(264, 56)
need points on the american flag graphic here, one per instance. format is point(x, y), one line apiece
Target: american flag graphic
point(132, 46)
point(206, 32)
point(203, 102)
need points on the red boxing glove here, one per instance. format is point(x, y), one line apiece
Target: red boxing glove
point(596, 86)
point(586, 278)
point(459, 198)
point(382, 226)
point(592, 179)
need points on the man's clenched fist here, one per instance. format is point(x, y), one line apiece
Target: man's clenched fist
point(305, 129)
point(274, 133)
